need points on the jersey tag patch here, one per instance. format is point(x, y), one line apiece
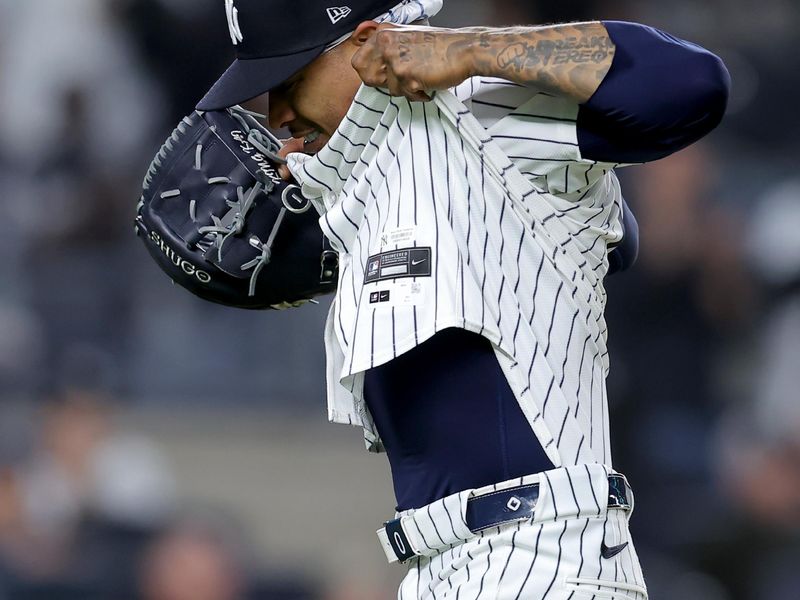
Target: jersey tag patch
point(382, 296)
point(395, 264)
point(398, 236)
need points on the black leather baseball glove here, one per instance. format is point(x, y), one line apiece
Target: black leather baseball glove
point(218, 219)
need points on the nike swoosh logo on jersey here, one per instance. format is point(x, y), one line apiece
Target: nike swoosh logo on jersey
point(611, 552)
point(414, 263)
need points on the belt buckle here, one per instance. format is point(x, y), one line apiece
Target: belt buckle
point(618, 496)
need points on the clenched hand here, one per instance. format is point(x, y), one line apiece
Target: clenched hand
point(408, 60)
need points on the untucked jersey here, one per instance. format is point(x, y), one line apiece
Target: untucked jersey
point(476, 211)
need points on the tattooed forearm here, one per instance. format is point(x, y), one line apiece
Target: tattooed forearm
point(519, 55)
point(568, 60)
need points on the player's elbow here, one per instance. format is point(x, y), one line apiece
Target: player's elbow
point(677, 91)
point(706, 95)
point(661, 95)
point(695, 106)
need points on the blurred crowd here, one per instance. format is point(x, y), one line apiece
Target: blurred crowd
point(704, 332)
point(89, 511)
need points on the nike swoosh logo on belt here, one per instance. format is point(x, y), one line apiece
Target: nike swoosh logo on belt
point(611, 552)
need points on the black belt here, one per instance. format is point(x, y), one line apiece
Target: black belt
point(501, 507)
point(514, 504)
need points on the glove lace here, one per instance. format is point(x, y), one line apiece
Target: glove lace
point(258, 263)
point(233, 222)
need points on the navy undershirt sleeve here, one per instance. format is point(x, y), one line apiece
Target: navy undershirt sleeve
point(623, 256)
point(660, 95)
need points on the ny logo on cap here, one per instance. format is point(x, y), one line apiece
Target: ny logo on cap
point(233, 22)
point(337, 13)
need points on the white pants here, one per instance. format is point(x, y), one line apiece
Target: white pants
point(554, 556)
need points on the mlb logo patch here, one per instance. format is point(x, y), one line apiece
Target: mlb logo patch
point(373, 266)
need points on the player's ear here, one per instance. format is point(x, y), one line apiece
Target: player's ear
point(366, 30)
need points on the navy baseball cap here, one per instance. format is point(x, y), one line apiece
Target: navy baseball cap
point(274, 39)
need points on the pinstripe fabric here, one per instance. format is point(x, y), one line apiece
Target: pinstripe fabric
point(490, 178)
point(556, 560)
point(555, 555)
point(583, 493)
point(517, 258)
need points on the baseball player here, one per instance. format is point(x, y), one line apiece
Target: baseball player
point(466, 179)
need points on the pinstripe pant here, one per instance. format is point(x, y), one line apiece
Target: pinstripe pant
point(555, 556)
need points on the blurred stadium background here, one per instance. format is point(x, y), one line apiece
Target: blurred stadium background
point(156, 447)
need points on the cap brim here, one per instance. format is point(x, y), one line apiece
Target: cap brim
point(248, 78)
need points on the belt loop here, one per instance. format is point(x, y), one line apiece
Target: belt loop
point(395, 542)
point(618, 492)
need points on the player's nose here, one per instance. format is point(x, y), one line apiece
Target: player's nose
point(280, 113)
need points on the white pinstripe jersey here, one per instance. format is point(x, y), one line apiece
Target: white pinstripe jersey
point(476, 211)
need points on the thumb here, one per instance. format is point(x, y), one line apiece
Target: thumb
point(289, 146)
point(362, 61)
